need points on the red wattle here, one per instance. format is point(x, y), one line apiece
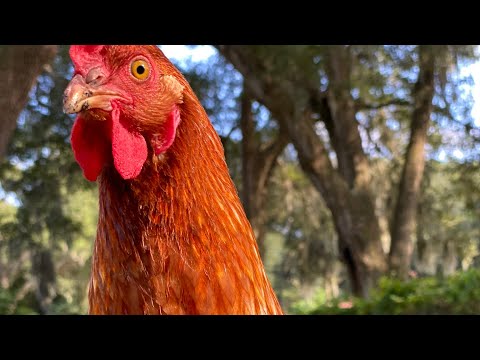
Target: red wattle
point(95, 142)
point(91, 146)
point(129, 148)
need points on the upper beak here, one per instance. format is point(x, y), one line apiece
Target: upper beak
point(82, 95)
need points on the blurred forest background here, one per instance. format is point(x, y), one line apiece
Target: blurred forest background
point(357, 167)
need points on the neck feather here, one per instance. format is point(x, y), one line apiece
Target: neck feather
point(176, 238)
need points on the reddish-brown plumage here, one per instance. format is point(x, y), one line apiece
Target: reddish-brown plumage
point(174, 239)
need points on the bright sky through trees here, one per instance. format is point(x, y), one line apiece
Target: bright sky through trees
point(199, 53)
point(475, 72)
point(180, 52)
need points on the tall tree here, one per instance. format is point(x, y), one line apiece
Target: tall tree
point(336, 86)
point(345, 192)
point(403, 229)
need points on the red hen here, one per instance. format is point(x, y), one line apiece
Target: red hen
point(172, 235)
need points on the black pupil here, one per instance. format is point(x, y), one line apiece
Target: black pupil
point(140, 69)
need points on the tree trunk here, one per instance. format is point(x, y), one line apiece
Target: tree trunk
point(257, 166)
point(353, 166)
point(342, 125)
point(43, 272)
point(345, 192)
point(404, 221)
point(19, 68)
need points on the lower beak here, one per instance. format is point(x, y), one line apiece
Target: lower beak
point(80, 96)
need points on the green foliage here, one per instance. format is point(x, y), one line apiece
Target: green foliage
point(456, 294)
point(9, 305)
point(300, 222)
point(55, 219)
point(448, 228)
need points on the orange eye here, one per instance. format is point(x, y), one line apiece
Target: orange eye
point(140, 69)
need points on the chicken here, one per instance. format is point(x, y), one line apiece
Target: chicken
point(172, 235)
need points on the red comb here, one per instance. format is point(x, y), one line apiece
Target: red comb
point(85, 56)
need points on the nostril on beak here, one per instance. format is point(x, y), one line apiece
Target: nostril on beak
point(95, 77)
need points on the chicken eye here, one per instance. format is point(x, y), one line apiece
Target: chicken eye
point(140, 69)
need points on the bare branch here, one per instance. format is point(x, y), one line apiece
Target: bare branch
point(361, 105)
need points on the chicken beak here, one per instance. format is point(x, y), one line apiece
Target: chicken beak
point(80, 96)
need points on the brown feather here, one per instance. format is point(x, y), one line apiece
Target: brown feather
point(176, 240)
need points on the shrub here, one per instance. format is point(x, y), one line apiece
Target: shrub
point(457, 294)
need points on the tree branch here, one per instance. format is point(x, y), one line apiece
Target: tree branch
point(361, 105)
point(269, 91)
point(352, 160)
point(19, 68)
